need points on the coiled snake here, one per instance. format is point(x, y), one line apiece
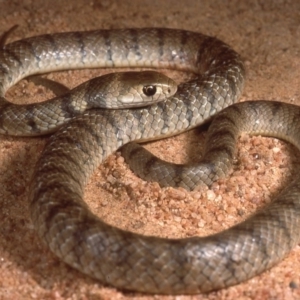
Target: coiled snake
point(124, 259)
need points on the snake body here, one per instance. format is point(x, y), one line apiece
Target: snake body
point(127, 260)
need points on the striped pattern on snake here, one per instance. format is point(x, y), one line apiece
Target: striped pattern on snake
point(124, 259)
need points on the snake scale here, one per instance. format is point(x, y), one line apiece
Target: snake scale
point(123, 259)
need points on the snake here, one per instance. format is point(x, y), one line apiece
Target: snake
point(123, 259)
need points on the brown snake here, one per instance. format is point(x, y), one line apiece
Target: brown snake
point(128, 260)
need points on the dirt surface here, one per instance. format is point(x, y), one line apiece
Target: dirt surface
point(267, 35)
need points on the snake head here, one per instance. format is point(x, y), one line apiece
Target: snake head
point(130, 89)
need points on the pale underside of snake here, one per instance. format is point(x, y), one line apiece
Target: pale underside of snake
point(123, 259)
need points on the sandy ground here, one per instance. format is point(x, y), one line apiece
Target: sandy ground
point(267, 35)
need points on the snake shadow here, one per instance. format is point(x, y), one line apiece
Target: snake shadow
point(20, 246)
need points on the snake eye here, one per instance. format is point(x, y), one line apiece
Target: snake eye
point(149, 90)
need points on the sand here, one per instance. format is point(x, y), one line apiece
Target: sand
point(267, 35)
